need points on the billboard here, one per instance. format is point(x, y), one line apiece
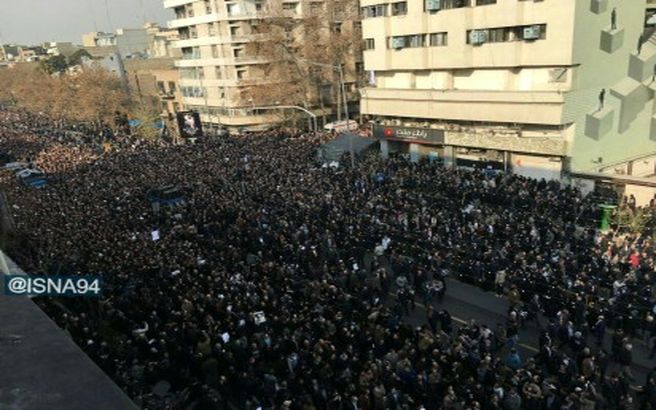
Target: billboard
point(189, 124)
point(427, 135)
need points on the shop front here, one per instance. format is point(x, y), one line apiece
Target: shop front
point(417, 142)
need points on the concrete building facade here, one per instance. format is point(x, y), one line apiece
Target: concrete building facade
point(150, 40)
point(537, 87)
point(156, 78)
point(216, 67)
point(60, 48)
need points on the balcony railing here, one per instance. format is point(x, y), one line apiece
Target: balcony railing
point(247, 59)
point(246, 13)
point(191, 56)
point(245, 38)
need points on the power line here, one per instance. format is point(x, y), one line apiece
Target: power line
point(93, 15)
point(109, 17)
point(143, 11)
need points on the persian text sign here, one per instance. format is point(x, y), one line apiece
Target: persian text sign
point(409, 133)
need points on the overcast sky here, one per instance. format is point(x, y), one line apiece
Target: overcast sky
point(36, 21)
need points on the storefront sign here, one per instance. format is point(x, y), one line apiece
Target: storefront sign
point(409, 134)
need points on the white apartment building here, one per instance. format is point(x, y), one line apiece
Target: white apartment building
point(511, 84)
point(215, 66)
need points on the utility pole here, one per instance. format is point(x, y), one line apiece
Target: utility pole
point(346, 114)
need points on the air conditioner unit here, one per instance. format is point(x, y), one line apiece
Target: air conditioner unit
point(477, 37)
point(398, 43)
point(531, 33)
point(433, 5)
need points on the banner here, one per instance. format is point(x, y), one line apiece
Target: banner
point(189, 124)
point(409, 133)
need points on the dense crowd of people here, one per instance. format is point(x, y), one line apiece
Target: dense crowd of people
point(282, 284)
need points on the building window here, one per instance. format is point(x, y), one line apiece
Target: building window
point(238, 52)
point(192, 92)
point(485, 2)
point(208, 7)
point(215, 51)
point(258, 6)
point(290, 7)
point(160, 87)
point(400, 8)
point(411, 41)
point(234, 9)
point(369, 44)
point(188, 73)
point(193, 32)
point(218, 73)
point(510, 34)
point(183, 33)
point(211, 29)
point(379, 10)
point(190, 53)
point(447, 4)
point(172, 87)
point(438, 39)
point(416, 40)
point(337, 28)
point(241, 74)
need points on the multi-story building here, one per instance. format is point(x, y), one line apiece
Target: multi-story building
point(217, 65)
point(150, 40)
point(156, 78)
point(162, 44)
point(98, 39)
point(31, 54)
point(536, 87)
point(60, 48)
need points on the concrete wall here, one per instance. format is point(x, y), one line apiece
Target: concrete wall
point(628, 102)
point(130, 41)
point(557, 14)
point(642, 194)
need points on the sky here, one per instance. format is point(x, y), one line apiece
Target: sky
point(31, 22)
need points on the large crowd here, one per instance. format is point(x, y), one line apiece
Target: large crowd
point(282, 284)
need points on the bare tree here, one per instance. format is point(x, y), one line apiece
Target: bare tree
point(301, 51)
point(93, 95)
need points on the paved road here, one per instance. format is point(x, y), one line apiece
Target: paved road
point(465, 302)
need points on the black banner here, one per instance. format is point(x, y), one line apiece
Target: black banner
point(409, 133)
point(189, 124)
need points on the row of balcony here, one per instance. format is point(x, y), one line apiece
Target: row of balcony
point(213, 17)
point(195, 60)
point(216, 40)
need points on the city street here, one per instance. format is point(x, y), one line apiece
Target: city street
point(465, 302)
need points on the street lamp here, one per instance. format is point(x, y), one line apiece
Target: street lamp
point(295, 107)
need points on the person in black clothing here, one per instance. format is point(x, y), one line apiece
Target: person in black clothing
point(267, 234)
